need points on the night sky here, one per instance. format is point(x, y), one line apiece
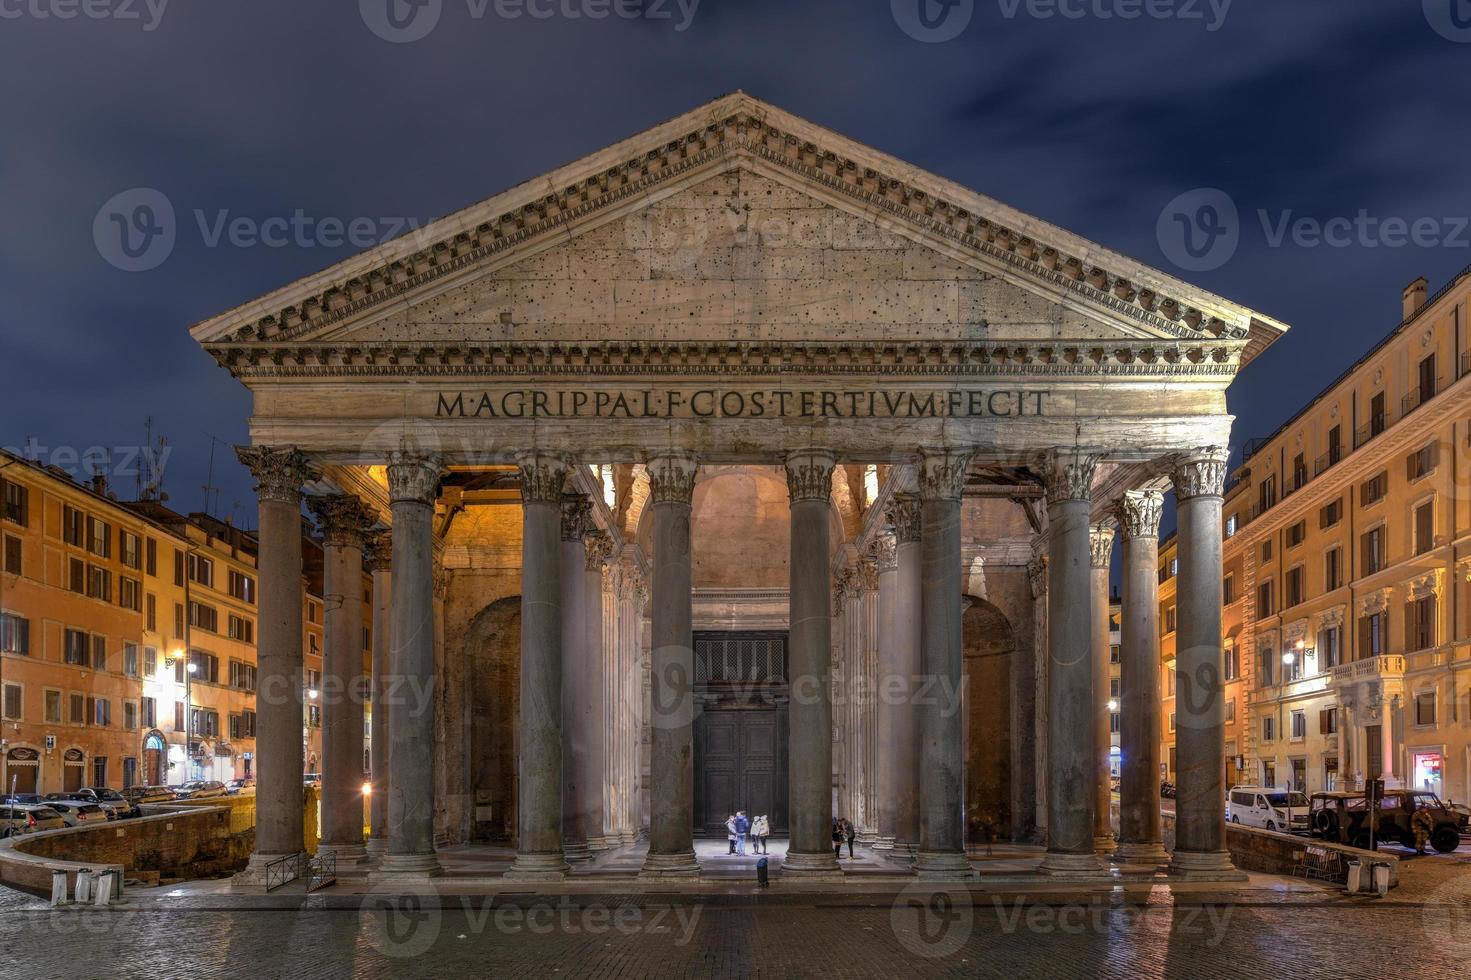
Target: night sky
point(1309, 109)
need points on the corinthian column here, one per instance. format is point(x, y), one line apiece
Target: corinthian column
point(1068, 477)
point(672, 671)
point(579, 676)
point(809, 485)
point(378, 552)
point(1200, 716)
point(602, 756)
point(1140, 840)
point(279, 799)
point(413, 486)
point(1100, 545)
point(889, 762)
point(941, 720)
point(344, 522)
point(539, 825)
point(902, 674)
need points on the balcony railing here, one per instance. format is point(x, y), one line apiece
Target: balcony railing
point(1386, 665)
point(1329, 459)
point(1375, 426)
point(1422, 394)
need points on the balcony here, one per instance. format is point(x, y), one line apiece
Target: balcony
point(1465, 364)
point(1375, 426)
point(1427, 390)
point(1388, 665)
point(1329, 459)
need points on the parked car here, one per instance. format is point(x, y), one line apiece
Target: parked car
point(237, 786)
point(29, 798)
point(148, 794)
point(1167, 790)
point(201, 789)
point(78, 813)
point(26, 818)
point(1344, 817)
point(1268, 808)
point(124, 807)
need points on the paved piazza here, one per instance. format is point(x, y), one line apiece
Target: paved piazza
point(1269, 927)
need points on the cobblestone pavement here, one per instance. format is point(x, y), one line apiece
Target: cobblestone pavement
point(1423, 931)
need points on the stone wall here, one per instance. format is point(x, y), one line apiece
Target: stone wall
point(1253, 849)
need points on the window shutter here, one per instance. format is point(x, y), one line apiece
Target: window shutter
point(1364, 639)
point(1323, 722)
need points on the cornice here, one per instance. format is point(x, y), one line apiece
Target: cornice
point(740, 131)
point(1081, 359)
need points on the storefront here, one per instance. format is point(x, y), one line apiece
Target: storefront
point(1427, 770)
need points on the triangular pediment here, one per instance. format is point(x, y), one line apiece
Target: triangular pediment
point(738, 222)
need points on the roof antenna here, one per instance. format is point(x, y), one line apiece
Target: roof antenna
point(211, 492)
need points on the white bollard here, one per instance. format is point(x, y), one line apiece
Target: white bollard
point(103, 897)
point(58, 888)
point(83, 894)
point(1355, 870)
point(1381, 879)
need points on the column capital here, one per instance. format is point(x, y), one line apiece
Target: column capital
point(378, 551)
point(344, 519)
point(672, 477)
point(866, 574)
point(279, 471)
point(1138, 513)
point(599, 547)
point(441, 582)
point(1067, 474)
point(810, 474)
point(886, 552)
point(413, 477)
point(542, 476)
point(904, 517)
point(1100, 544)
point(576, 516)
point(1199, 473)
point(1037, 576)
point(942, 473)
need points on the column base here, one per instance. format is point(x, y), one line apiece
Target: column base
point(1063, 865)
point(377, 847)
point(576, 852)
point(882, 843)
point(627, 837)
point(352, 859)
point(1104, 846)
point(942, 866)
point(253, 879)
point(812, 867)
point(407, 867)
point(902, 853)
point(681, 865)
point(537, 866)
point(596, 844)
point(1147, 854)
point(1205, 866)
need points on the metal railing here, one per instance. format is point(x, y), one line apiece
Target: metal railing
point(1374, 427)
point(1324, 462)
point(283, 871)
point(1418, 396)
point(322, 871)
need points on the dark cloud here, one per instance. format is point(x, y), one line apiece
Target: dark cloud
point(1316, 107)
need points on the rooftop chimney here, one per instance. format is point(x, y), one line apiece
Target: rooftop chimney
point(1415, 294)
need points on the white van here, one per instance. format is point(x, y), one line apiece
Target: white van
point(1263, 806)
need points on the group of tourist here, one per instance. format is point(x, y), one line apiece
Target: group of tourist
point(843, 831)
point(738, 827)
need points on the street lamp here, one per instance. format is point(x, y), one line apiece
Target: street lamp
point(1113, 704)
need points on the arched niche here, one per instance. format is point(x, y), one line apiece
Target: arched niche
point(493, 653)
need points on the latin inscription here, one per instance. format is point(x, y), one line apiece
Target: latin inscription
point(732, 403)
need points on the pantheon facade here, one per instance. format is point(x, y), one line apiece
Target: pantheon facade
point(740, 466)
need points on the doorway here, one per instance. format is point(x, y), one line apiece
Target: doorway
point(740, 731)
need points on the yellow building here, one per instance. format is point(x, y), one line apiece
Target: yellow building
point(1347, 558)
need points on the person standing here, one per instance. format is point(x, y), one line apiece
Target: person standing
point(760, 830)
point(1422, 824)
point(742, 827)
point(730, 831)
point(837, 838)
point(848, 834)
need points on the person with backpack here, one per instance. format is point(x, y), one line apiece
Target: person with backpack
point(760, 830)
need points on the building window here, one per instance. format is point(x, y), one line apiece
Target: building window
point(1331, 513)
point(1299, 724)
point(1328, 721)
point(206, 666)
point(1229, 663)
point(1172, 721)
point(150, 613)
point(150, 662)
point(1372, 490)
point(129, 592)
point(99, 652)
point(241, 629)
point(178, 716)
point(1330, 647)
point(1113, 649)
point(100, 711)
point(73, 525)
point(1420, 624)
point(76, 648)
point(1425, 709)
point(1371, 636)
point(15, 634)
point(16, 503)
point(242, 586)
point(76, 575)
point(1332, 569)
point(150, 712)
point(1228, 589)
point(12, 702)
point(1297, 533)
point(1422, 461)
point(130, 660)
point(1424, 527)
point(150, 558)
point(1372, 550)
point(1169, 620)
point(202, 570)
point(1299, 472)
point(1267, 550)
point(178, 619)
point(52, 704)
point(76, 709)
point(1296, 593)
point(1264, 600)
point(99, 537)
point(1269, 729)
point(1230, 711)
point(130, 715)
point(242, 675)
point(311, 611)
point(1267, 665)
point(204, 617)
point(178, 567)
point(12, 555)
point(314, 717)
point(1267, 493)
point(1231, 526)
point(99, 583)
point(1113, 722)
point(128, 549)
point(312, 646)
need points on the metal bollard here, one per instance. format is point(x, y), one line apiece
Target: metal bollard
point(1381, 879)
point(58, 888)
point(1355, 873)
point(83, 894)
point(103, 896)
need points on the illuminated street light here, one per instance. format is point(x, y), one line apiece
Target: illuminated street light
point(1113, 704)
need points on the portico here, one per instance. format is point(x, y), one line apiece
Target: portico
point(738, 375)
